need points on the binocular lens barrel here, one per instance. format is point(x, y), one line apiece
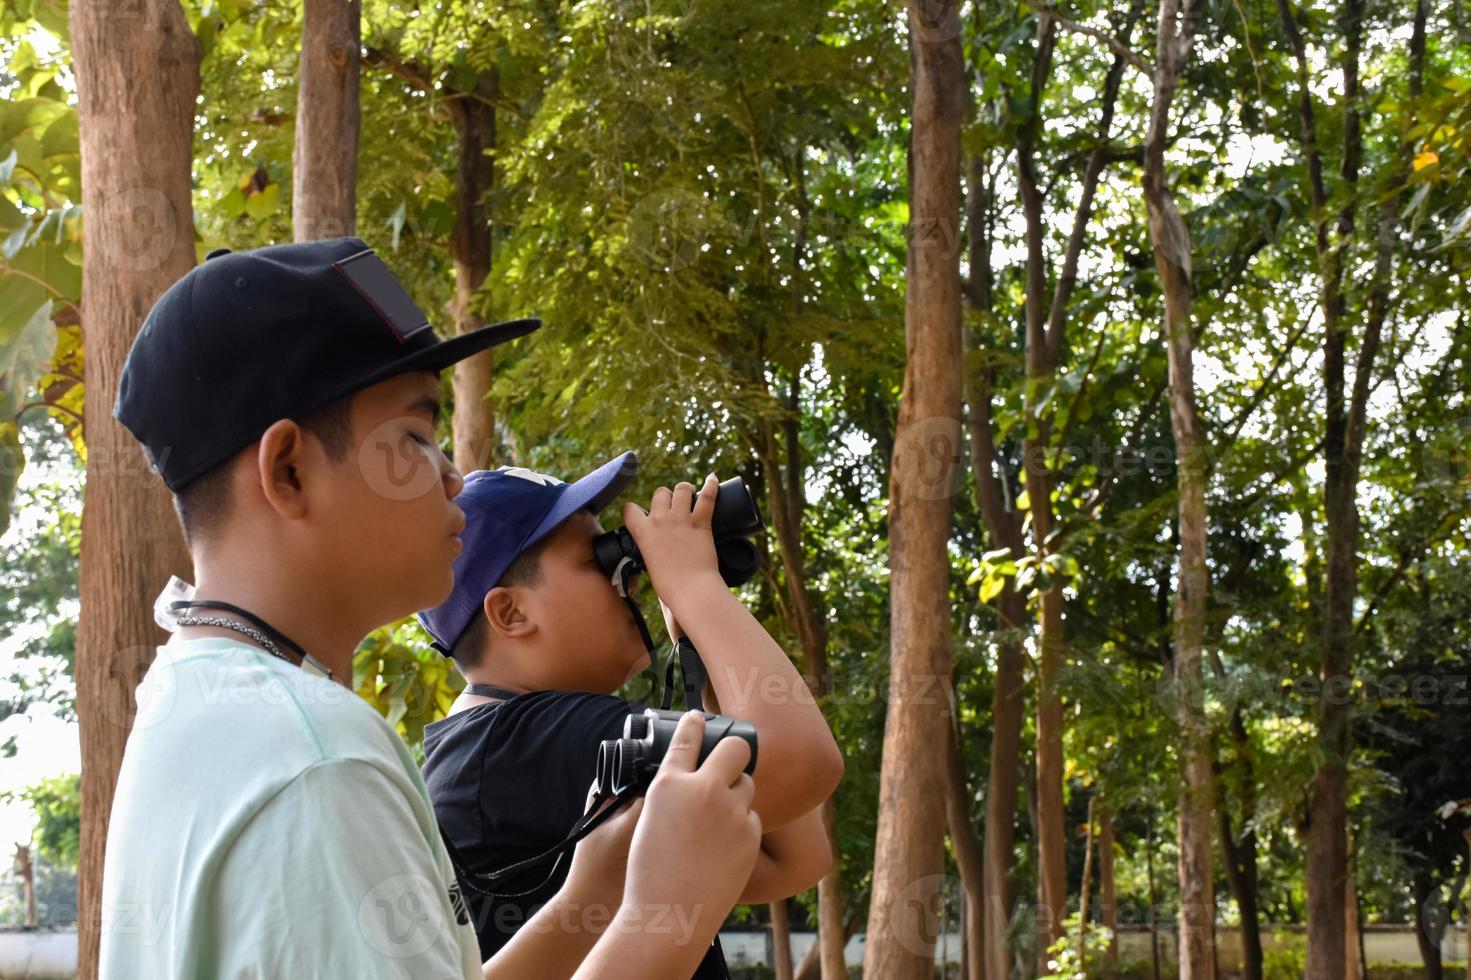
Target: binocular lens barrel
point(629, 764)
point(735, 519)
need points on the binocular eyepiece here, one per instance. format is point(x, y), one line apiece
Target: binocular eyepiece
point(735, 520)
point(629, 764)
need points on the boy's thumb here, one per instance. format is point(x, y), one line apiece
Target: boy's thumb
point(683, 754)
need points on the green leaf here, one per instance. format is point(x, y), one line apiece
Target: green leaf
point(261, 206)
point(23, 359)
point(12, 462)
point(992, 587)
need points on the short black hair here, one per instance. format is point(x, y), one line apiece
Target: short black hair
point(203, 503)
point(469, 650)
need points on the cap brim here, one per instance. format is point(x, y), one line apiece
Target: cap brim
point(455, 349)
point(595, 491)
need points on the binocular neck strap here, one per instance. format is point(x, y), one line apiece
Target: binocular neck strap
point(692, 669)
point(491, 691)
point(603, 806)
point(305, 660)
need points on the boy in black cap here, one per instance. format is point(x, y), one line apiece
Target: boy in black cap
point(544, 638)
point(267, 822)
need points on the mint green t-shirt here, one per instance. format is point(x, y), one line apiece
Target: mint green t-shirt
point(268, 823)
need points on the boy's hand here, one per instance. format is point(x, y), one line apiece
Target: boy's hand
point(693, 851)
point(674, 535)
point(600, 860)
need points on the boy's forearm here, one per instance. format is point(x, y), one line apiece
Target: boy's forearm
point(798, 763)
point(793, 859)
point(555, 941)
point(631, 956)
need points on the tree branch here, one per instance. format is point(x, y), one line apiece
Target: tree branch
point(1115, 45)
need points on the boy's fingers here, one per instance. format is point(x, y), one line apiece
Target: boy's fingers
point(705, 502)
point(634, 514)
point(745, 790)
point(684, 498)
point(660, 503)
point(728, 759)
point(684, 747)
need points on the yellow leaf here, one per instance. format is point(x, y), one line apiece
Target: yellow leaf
point(1426, 158)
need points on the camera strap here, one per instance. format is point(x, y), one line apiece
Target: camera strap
point(597, 813)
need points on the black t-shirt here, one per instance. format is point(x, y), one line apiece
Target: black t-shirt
point(508, 780)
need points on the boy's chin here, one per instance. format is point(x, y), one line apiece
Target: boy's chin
point(639, 666)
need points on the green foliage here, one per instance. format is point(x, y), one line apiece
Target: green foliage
point(57, 802)
point(708, 206)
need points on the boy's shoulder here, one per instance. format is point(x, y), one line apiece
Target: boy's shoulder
point(234, 706)
point(529, 715)
point(529, 735)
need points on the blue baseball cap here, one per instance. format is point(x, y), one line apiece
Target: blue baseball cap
point(507, 510)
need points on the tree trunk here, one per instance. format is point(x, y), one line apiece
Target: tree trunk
point(473, 423)
point(1084, 897)
point(803, 609)
point(781, 941)
point(908, 847)
point(26, 870)
point(137, 75)
point(967, 857)
point(1241, 858)
point(1466, 927)
point(1106, 895)
point(1045, 326)
point(1153, 898)
point(1171, 242)
point(324, 161)
point(1350, 917)
point(1430, 925)
point(1004, 528)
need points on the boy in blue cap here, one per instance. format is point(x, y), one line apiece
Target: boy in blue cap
point(544, 638)
point(267, 822)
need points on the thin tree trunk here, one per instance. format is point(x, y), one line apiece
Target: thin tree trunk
point(324, 160)
point(1153, 898)
point(1241, 858)
point(908, 847)
point(1350, 917)
point(1004, 528)
point(473, 425)
point(1195, 924)
point(1466, 927)
point(26, 870)
point(1106, 888)
point(1045, 326)
point(1430, 925)
point(1041, 366)
point(968, 856)
point(137, 75)
point(781, 941)
point(1084, 896)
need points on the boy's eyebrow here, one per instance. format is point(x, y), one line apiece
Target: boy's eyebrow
point(426, 404)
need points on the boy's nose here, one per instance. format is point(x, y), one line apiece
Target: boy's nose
point(454, 482)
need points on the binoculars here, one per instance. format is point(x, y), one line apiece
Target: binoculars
point(629, 764)
point(735, 520)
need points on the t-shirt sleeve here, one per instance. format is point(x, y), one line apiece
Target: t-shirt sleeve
point(333, 876)
point(545, 749)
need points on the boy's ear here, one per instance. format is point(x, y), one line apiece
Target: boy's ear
point(278, 461)
point(505, 614)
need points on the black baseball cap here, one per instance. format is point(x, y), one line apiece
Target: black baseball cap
point(248, 338)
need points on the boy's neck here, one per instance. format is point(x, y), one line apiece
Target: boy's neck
point(288, 607)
